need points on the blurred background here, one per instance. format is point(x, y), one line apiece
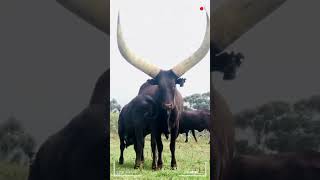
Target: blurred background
point(275, 97)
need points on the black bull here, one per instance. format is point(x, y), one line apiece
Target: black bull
point(170, 104)
point(194, 120)
point(135, 121)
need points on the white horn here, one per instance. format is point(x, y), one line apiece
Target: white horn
point(133, 59)
point(233, 18)
point(197, 56)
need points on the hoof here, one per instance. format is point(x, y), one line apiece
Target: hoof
point(154, 166)
point(173, 166)
point(136, 166)
point(159, 167)
point(120, 161)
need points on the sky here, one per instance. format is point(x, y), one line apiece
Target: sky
point(163, 32)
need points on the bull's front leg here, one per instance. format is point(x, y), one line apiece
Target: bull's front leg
point(160, 148)
point(138, 147)
point(122, 146)
point(174, 134)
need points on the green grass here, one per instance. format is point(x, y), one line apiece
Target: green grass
point(10, 171)
point(190, 156)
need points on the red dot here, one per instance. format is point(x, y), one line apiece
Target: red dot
point(201, 8)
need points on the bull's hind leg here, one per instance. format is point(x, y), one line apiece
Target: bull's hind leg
point(194, 135)
point(186, 137)
point(138, 148)
point(173, 148)
point(142, 155)
point(154, 154)
point(160, 148)
point(122, 147)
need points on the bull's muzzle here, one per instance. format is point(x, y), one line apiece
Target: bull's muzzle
point(167, 106)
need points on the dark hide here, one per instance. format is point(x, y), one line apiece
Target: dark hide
point(80, 150)
point(221, 136)
point(169, 105)
point(194, 120)
point(290, 166)
point(135, 121)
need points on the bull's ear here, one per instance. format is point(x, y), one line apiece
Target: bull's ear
point(152, 81)
point(181, 81)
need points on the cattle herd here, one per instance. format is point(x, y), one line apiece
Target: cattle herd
point(79, 150)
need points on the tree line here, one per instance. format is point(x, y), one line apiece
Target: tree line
point(279, 127)
point(192, 102)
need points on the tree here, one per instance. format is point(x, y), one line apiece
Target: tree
point(197, 101)
point(114, 106)
point(282, 127)
point(15, 144)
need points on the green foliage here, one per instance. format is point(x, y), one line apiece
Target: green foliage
point(197, 101)
point(15, 144)
point(114, 116)
point(280, 127)
point(114, 106)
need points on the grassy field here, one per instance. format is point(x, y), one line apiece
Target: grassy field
point(9, 171)
point(192, 160)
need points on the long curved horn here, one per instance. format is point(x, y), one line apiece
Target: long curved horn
point(134, 60)
point(233, 18)
point(197, 56)
point(95, 12)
